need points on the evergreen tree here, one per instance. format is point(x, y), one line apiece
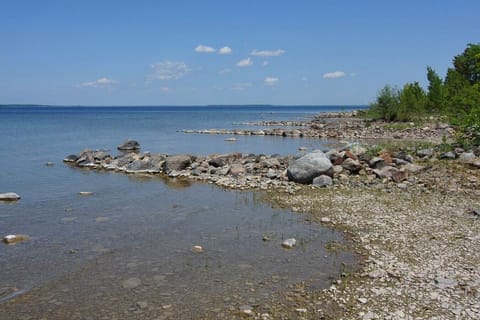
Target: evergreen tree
point(436, 92)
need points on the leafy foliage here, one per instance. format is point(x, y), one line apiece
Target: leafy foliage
point(436, 92)
point(458, 97)
point(411, 103)
point(386, 104)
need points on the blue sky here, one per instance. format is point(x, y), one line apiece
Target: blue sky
point(224, 52)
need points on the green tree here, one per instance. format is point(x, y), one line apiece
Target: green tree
point(412, 99)
point(436, 92)
point(468, 63)
point(386, 104)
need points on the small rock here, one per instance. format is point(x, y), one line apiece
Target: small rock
point(248, 310)
point(444, 283)
point(325, 219)
point(352, 165)
point(85, 193)
point(377, 163)
point(70, 158)
point(129, 145)
point(369, 316)
point(377, 273)
point(301, 310)
point(231, 139)
point(322, 181)
point(131, 283)
point(425, 153)
point(289, 243)
point(362, 300)
point(467, 157)
point(49, 164)
point(448, 155)
point(197, 249)
point(141, 304)
point(9, 196)
point(14, 238)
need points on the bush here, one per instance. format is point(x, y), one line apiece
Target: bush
point(386, 105)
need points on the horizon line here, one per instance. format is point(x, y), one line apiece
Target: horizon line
point(186, 105)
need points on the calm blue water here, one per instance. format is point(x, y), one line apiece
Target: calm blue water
point(36, 135)
point(150, 223)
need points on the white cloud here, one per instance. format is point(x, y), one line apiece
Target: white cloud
point(271, 81)
point(304, 79)
point(168, 70)
point(99, 83)
point(241, 86)
point(245, 63)
point(267, 53)
point(225, 50)
point(204, 49)
point(265, 63)
point(333, 75)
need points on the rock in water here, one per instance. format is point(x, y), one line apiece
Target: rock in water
point(70, 158)
point(129, 145)
point(9, 196)
point(308, 167)
point(177, 163)
point(131, 283)
point(197, 249)
point(14, 238)
point(289, 243)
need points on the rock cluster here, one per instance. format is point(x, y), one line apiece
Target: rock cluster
point(341, 125)
point(238, 171)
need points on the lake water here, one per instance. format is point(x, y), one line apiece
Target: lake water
point(125, 252)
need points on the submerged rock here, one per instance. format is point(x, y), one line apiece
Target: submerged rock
point(131, 283)
point(308, 167)
point(129, 145)
point(9, 196)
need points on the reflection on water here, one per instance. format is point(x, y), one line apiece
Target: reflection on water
point(126, 251)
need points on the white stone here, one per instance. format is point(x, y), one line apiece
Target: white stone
point(197, 249)
point(362, 300)
point(289, 243)
point(9, 196)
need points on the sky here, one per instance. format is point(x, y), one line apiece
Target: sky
point(282, 52)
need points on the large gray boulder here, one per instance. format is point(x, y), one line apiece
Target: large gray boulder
point(177, 163)
point(308, 167)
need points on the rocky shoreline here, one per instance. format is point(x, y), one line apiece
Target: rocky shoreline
point(412, 214)
point(343, 125)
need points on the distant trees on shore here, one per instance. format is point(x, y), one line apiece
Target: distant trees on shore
point(456, 97)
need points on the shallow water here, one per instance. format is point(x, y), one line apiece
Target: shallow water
point(82, 249)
